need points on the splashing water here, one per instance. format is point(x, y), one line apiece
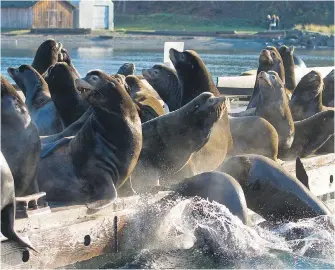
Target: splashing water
point(196, 233)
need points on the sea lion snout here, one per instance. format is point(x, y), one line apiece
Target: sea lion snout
point(265, 55)
point(12, 71)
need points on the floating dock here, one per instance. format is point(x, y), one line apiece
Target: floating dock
point(71, 234)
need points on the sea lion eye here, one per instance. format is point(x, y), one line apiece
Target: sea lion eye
point(196, 106)
point(273, 76)
point(182, 57)
point(273, 54)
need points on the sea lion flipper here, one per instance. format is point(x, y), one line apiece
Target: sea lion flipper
point(301, 173)
point(7, 227)
point(48, 148)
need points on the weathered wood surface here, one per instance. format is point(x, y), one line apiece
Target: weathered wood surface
point(60, 236)
point(244, 85)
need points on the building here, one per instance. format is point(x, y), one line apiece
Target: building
point(36, 14)
point(94, 14)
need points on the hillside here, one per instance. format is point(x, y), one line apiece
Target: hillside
point(247, 15)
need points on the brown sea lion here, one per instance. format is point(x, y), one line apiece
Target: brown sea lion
point(195, 79)
point(269, 59)
point(328, 92)
point(170, 141)
point(20, 143)
point(147, 105)
point(127, 69)
point(311, 134)
point(286, 54)
point(67, 99)
point(273, 106)
point(272, 192)
point(38, 99)
point(307, 97)
point(165, 81)
point(102, 155)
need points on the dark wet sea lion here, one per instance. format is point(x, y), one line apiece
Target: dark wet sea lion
point(20, 143)
point(67, 99)
point(328, 92)
point(219, 187)
point(102, 155)
point(307, 97)
point(271, 191)
point(38, 99)
point(165, 81)
point(286, 54)
point(127, 69)
point(47, 54)
point(273, 106)
point(311, 134)
point(171, 140)
point(195, 79)
point(269, 59)
point(147, 105)
point(8, 205)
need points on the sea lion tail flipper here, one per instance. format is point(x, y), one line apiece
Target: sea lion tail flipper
point(301, 173)
point(7, 227)
point(48, 148)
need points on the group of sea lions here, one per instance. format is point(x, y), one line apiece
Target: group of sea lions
point(89, 140)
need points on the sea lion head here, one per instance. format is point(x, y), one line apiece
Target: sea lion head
point(200, 115)
point(309, 87)
point(59, 74)
point(25, 77)
point(13, 109)
point(127, 69)
point(270, 84)
point(48, 53)
point(134, 84)
point(187, 60)
point(106, 93)
point(284, 50)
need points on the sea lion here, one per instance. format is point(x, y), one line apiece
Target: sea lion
point(272, 192)
point(127, 69)
point(148, 107)
point(8, 205)
point(286, 54)
point(102, 155)
point(195, 79)
point(66, 98)
point(165, 81)
point(311, 134)
point(47, 54)
point(20, 143)
point(269, 59)
point(38, 99)
point(170, 141)
point(219, 187)
point(328, 92)
point(307, 97)
point(273, 106)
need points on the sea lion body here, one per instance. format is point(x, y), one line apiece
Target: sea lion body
point(8, 204)
point(286, 54)
point(38, 99)
point(169, 141)
point(66, 98)
point(273, 106)
point(147, 105)
point(312, 133)
point(328, 93)
point(102, 155)
point(20, 142)
point(219, 187)
point(271, 191)
point(195, 79)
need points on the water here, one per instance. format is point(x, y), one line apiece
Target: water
point(196, 233)
point(223, 63)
